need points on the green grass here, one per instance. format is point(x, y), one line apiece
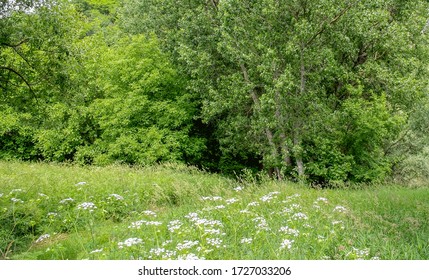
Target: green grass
point(177, 212)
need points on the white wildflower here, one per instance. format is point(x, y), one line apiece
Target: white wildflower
point(52, 214)
point(66, 200)
point(299, 216)
point(130, 242)
point(190, 257)
point(96, 251)
point(80, 184)
point(166, 242)
point(238, 188)
point(246, 240)
point(261, 223)
point(286, 244)
point(149, 213)
point(322, 199)
point(87, 206)
point(231, 201)
point(213, 231)
point(43, 237)
point(43, 195)
point(340, 209)
point(289, 231)
point(1, 194)
point(219, 207)
point(211, 198)
point(116, 196)
point(245, 211)
point(16, 191)
point(216, 242)
point(254, 203)
point(336, 222)
point(174, 225)
point(361, 254)
point(186, 245)
point(16, 200)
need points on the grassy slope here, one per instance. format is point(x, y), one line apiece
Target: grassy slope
point(283, 220)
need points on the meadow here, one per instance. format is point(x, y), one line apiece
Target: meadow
point(51, 211)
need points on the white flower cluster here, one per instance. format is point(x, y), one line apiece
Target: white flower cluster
point(299, 216)
point(246, 240)
point(96, 251)
point(261, 223)
point(340, 209)
point(213, 231)
point(130, 242)
point(238, 188)
point(231, 201)
point(149, 213)
point(190, 257)
point(269, 197)
point(219, 207)
point(66, 200)
point(15, 191)
point(43, 237)
point(52, 214)
point(211, 198)
point(290, 231)
point(286, 244)
point(80, 184)
point(361, 254)
point(116, 196)
point(186, 245)
point(43, 195)
point(165, 254)
point(87, 206)
point(174, 225)
point(193, 217)
point(138, 224)
point(322, 199)
point(16, 200)
point(216, 242)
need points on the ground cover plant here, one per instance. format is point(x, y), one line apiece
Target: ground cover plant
point(171, 211)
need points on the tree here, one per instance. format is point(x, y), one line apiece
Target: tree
point(318, 89)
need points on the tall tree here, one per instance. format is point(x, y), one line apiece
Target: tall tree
point(317, 88)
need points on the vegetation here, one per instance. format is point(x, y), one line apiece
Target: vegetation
point(51, 211)
point(322, 91)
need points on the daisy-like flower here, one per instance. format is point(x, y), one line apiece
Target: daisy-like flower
point(286, 244)
point(42, 238)
point(87, 206)
point(246, 240)
point(130, 242)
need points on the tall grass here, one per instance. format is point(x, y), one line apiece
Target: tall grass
point(52, 211)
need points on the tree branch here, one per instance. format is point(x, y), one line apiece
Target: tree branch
point(22, 78)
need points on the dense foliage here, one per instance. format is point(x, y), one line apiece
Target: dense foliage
point(326, 91)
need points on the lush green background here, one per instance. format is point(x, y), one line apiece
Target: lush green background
point(326, 91)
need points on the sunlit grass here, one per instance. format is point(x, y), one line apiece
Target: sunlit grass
point(175, 212)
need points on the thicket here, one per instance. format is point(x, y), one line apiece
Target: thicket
point(323, 91)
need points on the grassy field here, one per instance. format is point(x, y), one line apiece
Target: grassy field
point(52, 211)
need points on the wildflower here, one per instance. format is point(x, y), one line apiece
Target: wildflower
point(186, 245)
point(231, 201)
point(216, 242)
point(43, 195)
point(138, 224)
point(166, 242)
point(245, 211)
point(157, 251)
point(190, 257)
point(153, 223)
point(52, 214)
point(66, 200)
point(376, 258)
point(1, 194)
point(262, 223)
point(16, 200)
point(320, 238)
point(16, 191)
point(213, 231)
point(149, 213)
point(340, 209)
point(80, 184)
point(289, 231)
point(192, 216)
point(43, 237)
point(130, 242)
point(117, 196)
point(336, 222)
point(254, 203)
point(246, 240)
point(269, 197)
point(219, 207)
point(211, 198)
point(174, 225)
point(238, 188)
point(322, 199)
point(360, 254)
point(96, 251)
point(286, 244)
point(299, 216)
point(87, 206)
